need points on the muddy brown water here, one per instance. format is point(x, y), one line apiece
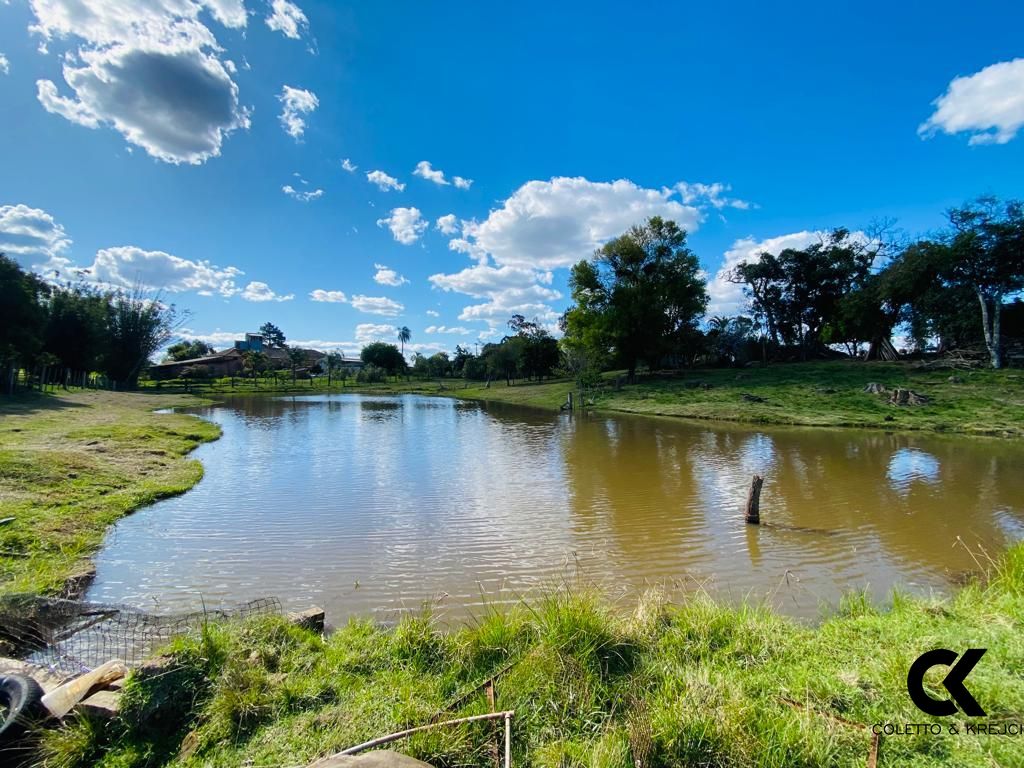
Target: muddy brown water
point(373, 505)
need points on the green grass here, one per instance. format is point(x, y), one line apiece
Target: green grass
point(981, 402)
point(817, 394)
point(73, 463)
point(694, 684)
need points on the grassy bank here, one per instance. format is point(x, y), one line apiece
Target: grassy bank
point(697, 684)
point(819, 394)
point(830, 394)
point(71, 464)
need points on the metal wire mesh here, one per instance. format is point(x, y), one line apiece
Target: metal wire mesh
point(71, 636)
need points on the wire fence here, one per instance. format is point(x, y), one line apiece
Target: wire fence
point(71, 637)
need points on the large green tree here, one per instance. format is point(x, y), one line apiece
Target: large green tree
point(137, 326)
point(986, 248)
point(273, 336)
point(384, 356)
point(639, 298)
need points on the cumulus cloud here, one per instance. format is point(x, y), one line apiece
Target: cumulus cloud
point(406, 224)
point(458, 329)
point(302, 195)
point(433, 313)
point(287, 18)
point(261, 292)
point(387, 276)
point(424, 171)
point(5, 65)
point(988, 104)
point(296, 102)
point(127, 266)
point(461, 183)
point(367, 333)
point(348, 165)
point(377, 305)
point(152, 71)
point(34, 238)
point(548, 224)
point(330, 297)
point(446, 224)
point(508, 290)
point(384, 182)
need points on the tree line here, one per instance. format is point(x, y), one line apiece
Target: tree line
point(641, 298)
point(66, 334)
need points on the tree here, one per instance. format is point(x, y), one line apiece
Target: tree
point(272, 335)
point(188, 350)
point(254, 363)
point(333, 362)
point(404, 334)
point(438, 365)
point(384, 356)
point(640, 296)
point(986, 249)
point(296, 358)
point(22, 317)
point(796, 293)
point(76, 327)
point(537, 350)
point(137, 327)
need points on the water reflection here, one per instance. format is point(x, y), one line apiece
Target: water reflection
point(369, 504)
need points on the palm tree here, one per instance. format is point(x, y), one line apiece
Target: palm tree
point(404, 334)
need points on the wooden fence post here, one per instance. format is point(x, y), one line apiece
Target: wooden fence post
point(753, 511)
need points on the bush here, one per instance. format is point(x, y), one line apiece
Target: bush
point(371, 374)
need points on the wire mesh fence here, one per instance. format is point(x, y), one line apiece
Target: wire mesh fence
point(69, 636)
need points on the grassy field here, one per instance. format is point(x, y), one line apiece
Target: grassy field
point(71, 464)
point(592, 684)
point(981, 402)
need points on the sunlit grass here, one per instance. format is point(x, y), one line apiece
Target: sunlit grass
point(697, 683)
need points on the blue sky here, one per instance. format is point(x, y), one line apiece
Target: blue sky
point(197, 146)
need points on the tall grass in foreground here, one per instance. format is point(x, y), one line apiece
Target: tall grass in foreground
point(696, 684)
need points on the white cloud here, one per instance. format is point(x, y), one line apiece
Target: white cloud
point(370, 332)
point(710, 194)
point(446, 224)
point(461, 183)
point(387, 276)
point(330, 297)
point(433, 313)
point(406, 224)
point(548, 224)
point(377, 305)
point(424, 171)
point(287, 18)
point(150, 70)
point(302, 195)
point(458, 329)
point(296, 102)
point(988, 104)
point(509, 290)
point(384, 182)
point(127, 266)
point(347, 165)
point(5, 65)
point(260, 292)
point(34, 238)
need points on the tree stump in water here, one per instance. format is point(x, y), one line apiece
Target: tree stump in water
point(902, 396)
point(875, 388)
point(753, 511)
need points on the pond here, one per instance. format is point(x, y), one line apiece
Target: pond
point(374, 505)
